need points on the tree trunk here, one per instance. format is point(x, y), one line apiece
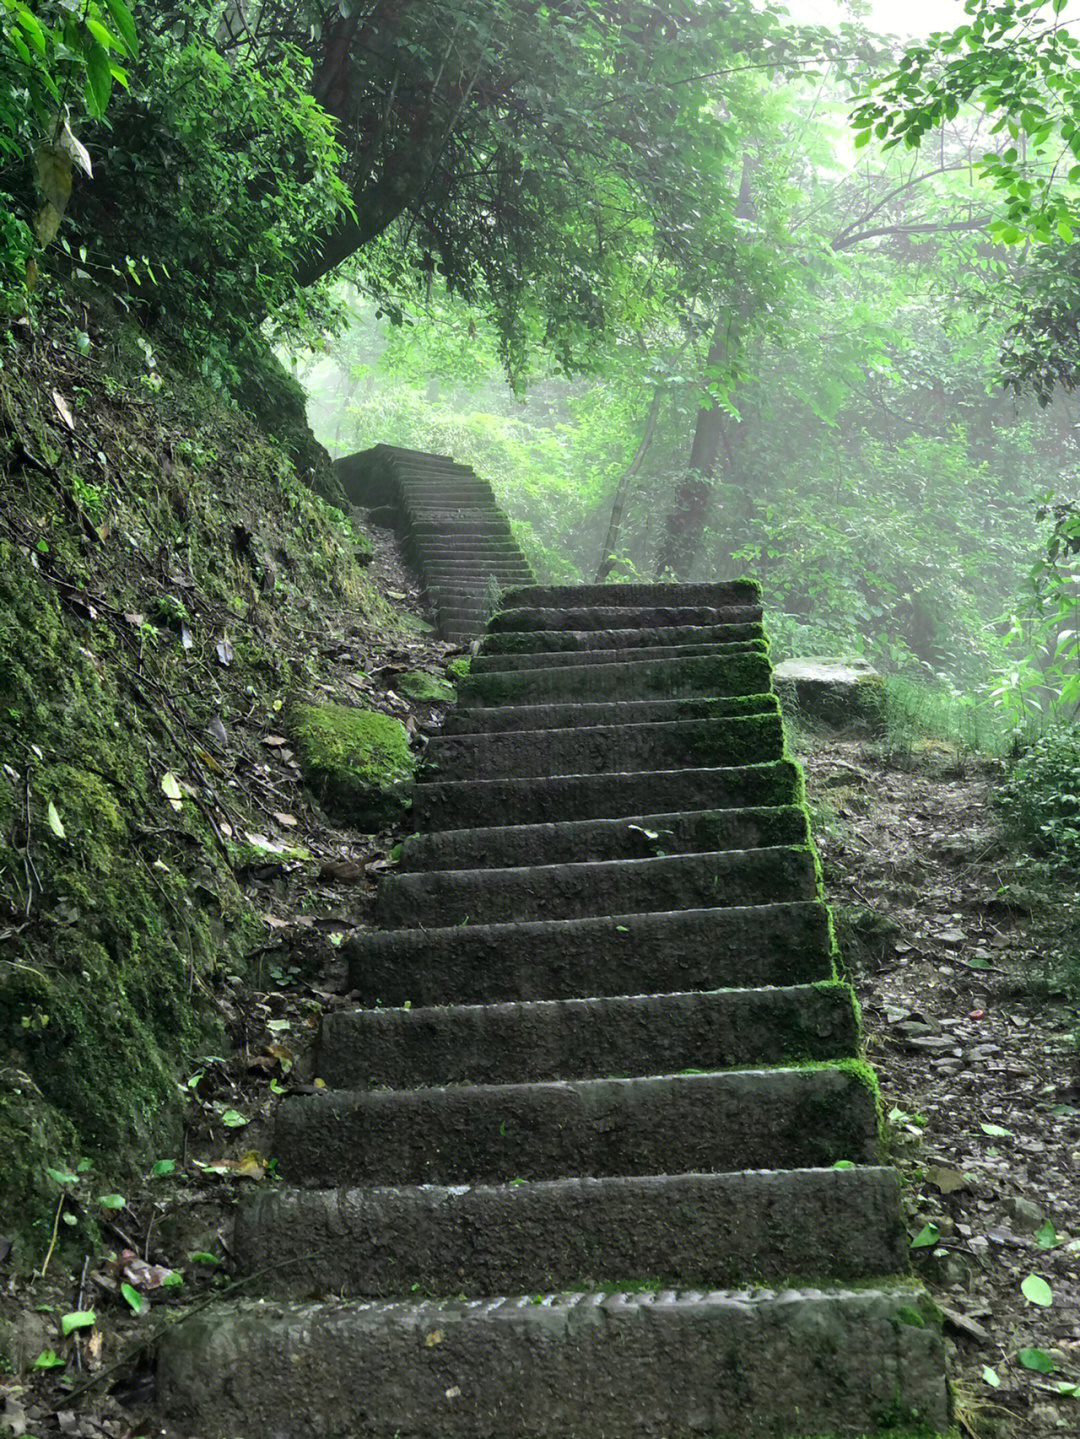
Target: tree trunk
point(622, 489)
point(686, 518)
point(685, 524)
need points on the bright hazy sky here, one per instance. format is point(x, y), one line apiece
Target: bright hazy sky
point(907, 18)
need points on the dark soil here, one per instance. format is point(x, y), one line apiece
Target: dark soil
point(955, 942)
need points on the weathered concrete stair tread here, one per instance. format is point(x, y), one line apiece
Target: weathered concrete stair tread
point(557, 597)
point(636, 637)
point(625, 617)
point(640, 678)
point(470, 804)
point(565, 891)
point(623, 1035)
point(717, 1230)
point(552, 659)
point(635, 837)
point(662, 1124)
point(586, 749)
point(615, 712)
point(749, 1365)
point(773, 944)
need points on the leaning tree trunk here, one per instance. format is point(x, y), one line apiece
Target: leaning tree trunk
point(622, 490)
point(685, 522)
point(685, 525)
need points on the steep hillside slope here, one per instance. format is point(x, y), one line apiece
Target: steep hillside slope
point(174, 600)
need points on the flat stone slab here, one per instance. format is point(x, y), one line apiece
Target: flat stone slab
point(665, 1124)
point(839, 691)
point(635, 837)
point(577, 958)
point(635, 1034)
point(469, 804)
point(750, 1365)
point(585, 749)
point(703, 1229)
point(666, 678)
point(621, 886)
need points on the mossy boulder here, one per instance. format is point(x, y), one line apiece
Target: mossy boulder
point(419, 685)
point(840, 692)
point(357, 761)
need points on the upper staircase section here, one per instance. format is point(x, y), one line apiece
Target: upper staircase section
point(454, 534)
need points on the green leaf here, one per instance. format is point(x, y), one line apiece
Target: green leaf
point(995, 1131)
point(163, 1167)
point(200, 1256)
point(55, 822)
point(1046, 1238)
point(136, 1301)
point(927, 1236)
point(105, 38)
point(62, 1176)
point(170, 788)
point(99, 81)
point(77, 1319)
point(1036, 1291)
point(233, 1119)
point(113, 1201)
point(49, 1359)
point(844, 1164)
point(990, 1377)
point(121, 18)
point(1037, 1360)
point(172, 1280)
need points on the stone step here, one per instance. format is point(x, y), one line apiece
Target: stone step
point(695, 743)
point(574, 891)
point(664, 1365)
point(469, 720)
point(558, 597)
point(624, 617)
point(536, 642)
point(667, 678)
point(619, 1035)
point(664, 1124)
point(479, 804)
point(486, 663)
point(482, 526)
point(692, 949)
point(689, 1229)
point(633, 837)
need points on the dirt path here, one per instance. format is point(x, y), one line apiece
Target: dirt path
point(950, 936)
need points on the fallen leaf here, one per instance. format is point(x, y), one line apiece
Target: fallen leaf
point(947, 1180)
point(274, 741)
point(1036, 1291)
point(927, 1236)
point(1037, 1360)
point(170, 788)
point(224, 651)
point(286, 819)
point(55, 822)
point(63, 410)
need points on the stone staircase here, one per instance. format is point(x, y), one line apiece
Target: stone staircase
point(453, 532)
point(597, 1158)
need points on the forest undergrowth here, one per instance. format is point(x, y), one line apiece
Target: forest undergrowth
point(961, 934)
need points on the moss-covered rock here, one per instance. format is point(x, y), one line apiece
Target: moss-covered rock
point(357, 761)
point(419, 685)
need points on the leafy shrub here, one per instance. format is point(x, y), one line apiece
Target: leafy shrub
point(227, 169)
point(1041, 799)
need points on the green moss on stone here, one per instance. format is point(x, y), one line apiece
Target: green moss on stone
point(419, 685)
point(357, 761)
point(459, 669)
